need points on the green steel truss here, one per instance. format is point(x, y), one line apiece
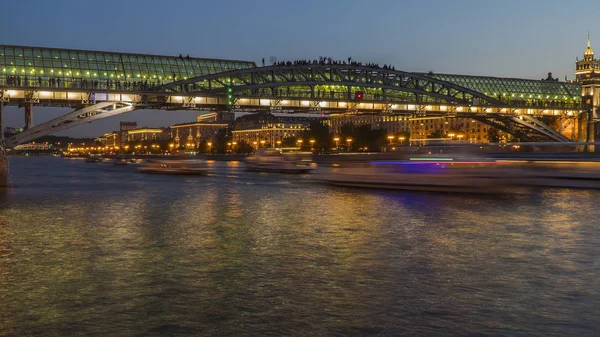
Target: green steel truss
point(515, 89)
point(43, 67)
point(341, 82)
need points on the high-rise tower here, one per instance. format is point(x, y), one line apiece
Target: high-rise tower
point(588, 67)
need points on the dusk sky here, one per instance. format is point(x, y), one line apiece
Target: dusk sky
point(525, 39)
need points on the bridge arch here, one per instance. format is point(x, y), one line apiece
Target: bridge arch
point(338, 81)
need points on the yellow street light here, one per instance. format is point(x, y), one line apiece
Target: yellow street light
point(209, 144)
point(390, 138)
point(234, 143)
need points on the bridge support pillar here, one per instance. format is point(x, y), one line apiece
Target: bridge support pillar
point(1, 123)
point(3, 167)
point(3, 159)
point(591, 132)
point(28, 116)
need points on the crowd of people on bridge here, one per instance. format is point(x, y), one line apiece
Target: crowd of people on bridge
point(329, 61)
point(82, 83)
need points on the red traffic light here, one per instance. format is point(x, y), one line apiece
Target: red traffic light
point(358, 95)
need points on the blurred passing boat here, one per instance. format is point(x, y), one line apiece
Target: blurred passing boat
point(190, 167)
point(548, 173)
point(273, 160)
point(93, 159)
point(445, 174)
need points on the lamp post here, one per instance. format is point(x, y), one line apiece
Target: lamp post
point(390, 138)
point(262, 143)
point(312, 143)
point(299, 141)
point(337, 142)
point(209, 147)
point(349, 141)
point(278, 143)
point(451, 135)
point(402, 138)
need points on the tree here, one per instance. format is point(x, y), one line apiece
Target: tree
point(222, 137)
point(319, 132)
point(402, 137)
point(493, 135)
point(289, 141)
point(243, 147)
point(363, 137)
point(436, 134)
point(203, 147)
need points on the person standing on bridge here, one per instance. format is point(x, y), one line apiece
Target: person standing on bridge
point(263, 61)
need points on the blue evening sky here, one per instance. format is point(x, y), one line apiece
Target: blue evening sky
point(512, 38)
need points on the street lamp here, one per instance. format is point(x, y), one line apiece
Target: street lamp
point(459, 137)
point(337, 142)
point(402, 138)
point(262, 143)
point(349, 140)
point(390, 138)
point(278, 143)
point(299, 141)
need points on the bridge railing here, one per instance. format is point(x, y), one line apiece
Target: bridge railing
point(79, 83)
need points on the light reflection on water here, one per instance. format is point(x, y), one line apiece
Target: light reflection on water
point(99, 250)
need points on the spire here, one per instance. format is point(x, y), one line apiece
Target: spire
point(588, 39)
point(589, 53)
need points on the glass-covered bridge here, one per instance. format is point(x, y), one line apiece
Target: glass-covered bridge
point(103, 84)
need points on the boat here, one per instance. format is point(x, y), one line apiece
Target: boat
point(121, 161)
point(443, 174)
point(549, 173)
point(93, 159)
point(274, 160)
point(189, 167)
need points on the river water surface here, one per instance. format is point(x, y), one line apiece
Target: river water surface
point(101, 250)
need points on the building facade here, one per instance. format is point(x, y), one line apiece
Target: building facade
point(147, 135)
point(192, 134)
point(124, 127)
point(109, 140)
point(269, 130)
point(393, 124)
point(454, 128)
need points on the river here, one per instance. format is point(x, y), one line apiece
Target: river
point(101, 250)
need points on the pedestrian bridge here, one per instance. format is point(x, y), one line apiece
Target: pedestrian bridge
point(100, 84)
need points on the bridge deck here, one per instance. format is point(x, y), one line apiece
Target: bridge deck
point(149, 99)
